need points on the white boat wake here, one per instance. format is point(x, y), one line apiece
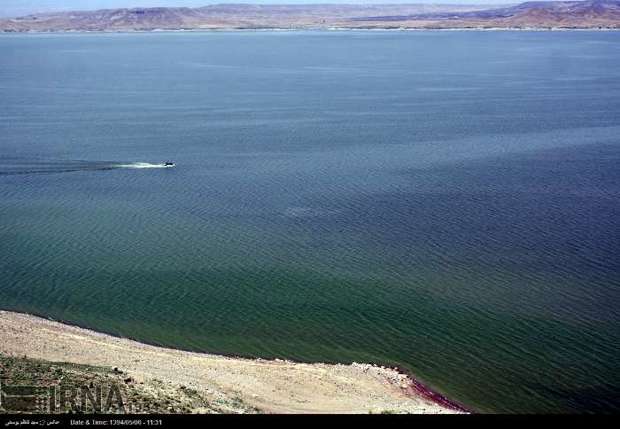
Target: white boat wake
point(144, 165)
point(13, 166)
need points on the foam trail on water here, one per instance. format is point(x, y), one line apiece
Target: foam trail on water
point(17, 166)
point(143, 165)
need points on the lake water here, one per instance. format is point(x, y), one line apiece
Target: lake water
point(448, 202)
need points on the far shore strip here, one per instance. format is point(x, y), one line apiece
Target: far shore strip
point(273, 386)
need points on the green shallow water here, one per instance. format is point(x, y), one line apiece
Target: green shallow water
point(442, 201)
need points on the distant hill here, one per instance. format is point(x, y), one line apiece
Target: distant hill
point(561, 14)
point(537, 14)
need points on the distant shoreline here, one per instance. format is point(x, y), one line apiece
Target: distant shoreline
point(267, 385)
point(319, 30)
point(545, 15)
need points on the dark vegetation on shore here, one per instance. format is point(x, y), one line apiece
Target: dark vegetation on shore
point(85, 389)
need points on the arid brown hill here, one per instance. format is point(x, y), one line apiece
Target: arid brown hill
point(538, 14)
point(561, 14)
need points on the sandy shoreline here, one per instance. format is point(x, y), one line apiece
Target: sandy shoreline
point(322, 29)
point(271, 386)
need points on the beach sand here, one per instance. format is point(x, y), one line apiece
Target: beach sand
point(270, 386)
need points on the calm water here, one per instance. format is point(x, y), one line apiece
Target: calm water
point(448, 202)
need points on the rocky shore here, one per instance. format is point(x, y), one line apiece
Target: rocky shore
point(162, 377)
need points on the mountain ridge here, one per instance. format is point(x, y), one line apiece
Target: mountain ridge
point(533, 14)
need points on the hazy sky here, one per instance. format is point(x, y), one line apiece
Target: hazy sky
point(24, 7)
